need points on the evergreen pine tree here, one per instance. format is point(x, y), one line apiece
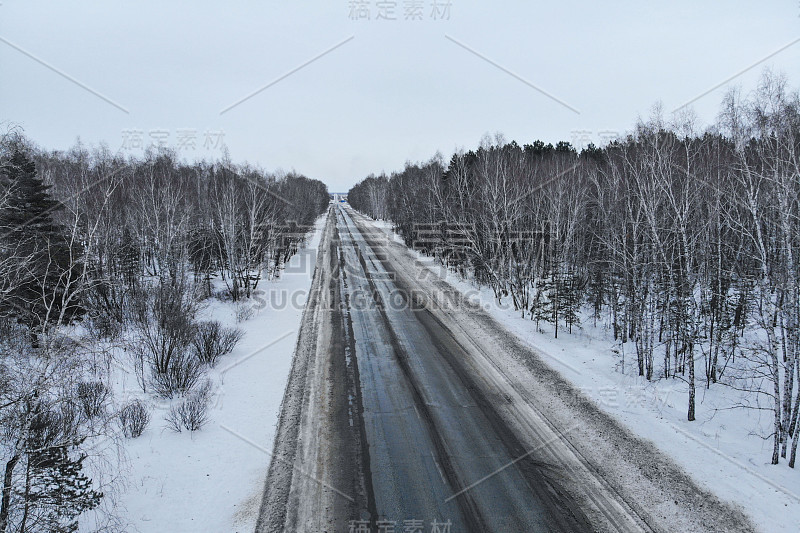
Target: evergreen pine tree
point(55, 490)
point(31, 238)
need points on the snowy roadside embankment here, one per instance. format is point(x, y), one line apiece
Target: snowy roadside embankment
point(723, 450)
point(211, 480)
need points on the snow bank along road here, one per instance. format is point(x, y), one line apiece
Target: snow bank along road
point(408, 404)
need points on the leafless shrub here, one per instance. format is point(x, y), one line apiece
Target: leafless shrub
point(104, 327)
point(179, 377)
point(223, 295)
point(92, 396)
point(133, 419)
point(244, 311)
point(192, 412)
point(106, 302)
point(163, 319)
point(212, 341)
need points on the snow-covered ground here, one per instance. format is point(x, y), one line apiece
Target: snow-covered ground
point(724, 449)
point(212, 480)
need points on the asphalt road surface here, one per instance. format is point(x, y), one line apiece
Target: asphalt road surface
point(397, 413)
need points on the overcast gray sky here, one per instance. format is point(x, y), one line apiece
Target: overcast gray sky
point(134, 73)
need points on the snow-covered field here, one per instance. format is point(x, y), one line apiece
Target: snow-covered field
point(212, 480)
point(724, 449)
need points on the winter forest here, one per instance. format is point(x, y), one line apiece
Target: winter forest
point(104, 263)
point(681, 242)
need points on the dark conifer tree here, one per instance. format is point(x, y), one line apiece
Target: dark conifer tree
point(46, 260)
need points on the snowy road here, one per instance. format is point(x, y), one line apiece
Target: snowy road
point(402, 409)
point(430, 432)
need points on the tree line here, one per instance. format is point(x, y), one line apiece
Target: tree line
point(683, 242)
point(100, 250)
